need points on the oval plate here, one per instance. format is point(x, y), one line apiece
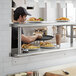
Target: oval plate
point(47, 47)
point(34, 21)
point(30, 49)
point(62, 20)
point(33, 49)
point(46, 37)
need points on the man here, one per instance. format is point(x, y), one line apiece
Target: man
point(19, 17)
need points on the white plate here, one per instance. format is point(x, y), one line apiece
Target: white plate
point(47, 47)
point(62, 20)
point(35, 21)
point(33, 49)
point(30, 49)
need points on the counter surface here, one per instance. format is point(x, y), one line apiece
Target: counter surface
point(42, 51)
point(44, 23)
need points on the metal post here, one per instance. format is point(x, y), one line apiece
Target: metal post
point(58, 29)
point(19, 40)
point(71, 38)
point(66, 32)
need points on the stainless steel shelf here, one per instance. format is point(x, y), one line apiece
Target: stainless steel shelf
point(42, 24)
point(41, 51)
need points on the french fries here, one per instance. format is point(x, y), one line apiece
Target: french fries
point(46, 44)
point(62, 18)
point(29, 46)
point(33, 19)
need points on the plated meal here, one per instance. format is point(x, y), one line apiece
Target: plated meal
point(30, 47)
point(46, 45)
point(62, 19)
point(35, 20)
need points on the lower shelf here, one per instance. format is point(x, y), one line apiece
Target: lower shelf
point(41, 51)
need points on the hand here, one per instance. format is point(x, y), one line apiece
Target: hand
point(39, 36)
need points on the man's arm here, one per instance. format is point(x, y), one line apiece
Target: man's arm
point(29, 39)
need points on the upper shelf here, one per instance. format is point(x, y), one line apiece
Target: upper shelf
point(44, 23)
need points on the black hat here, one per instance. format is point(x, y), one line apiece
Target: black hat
point(21, 10)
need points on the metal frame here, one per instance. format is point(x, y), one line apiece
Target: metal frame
point(41, 24)
point(19, 40)
point(71, 38)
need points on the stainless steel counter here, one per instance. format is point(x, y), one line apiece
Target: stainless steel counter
point(71, 24)
point(43, 23)
point(42, 51)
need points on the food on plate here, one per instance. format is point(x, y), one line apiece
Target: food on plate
point(46, 44)
point(35, 19)
point(41, 19)
point(29, 46)
point(33, 47)
point(62, 18)
point(42, 30)
point(38, 33)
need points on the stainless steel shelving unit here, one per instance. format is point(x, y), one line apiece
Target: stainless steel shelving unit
point(42, 24)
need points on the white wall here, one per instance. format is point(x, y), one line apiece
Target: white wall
point(71, 12)
point(51, 12)
point(5, 48)
point(19, 3)
point(51, 16)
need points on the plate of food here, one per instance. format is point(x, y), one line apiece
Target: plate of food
point(33, 49)
point(30, 47)
point(35, 20)
point(46, 45)
point(62, 19)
